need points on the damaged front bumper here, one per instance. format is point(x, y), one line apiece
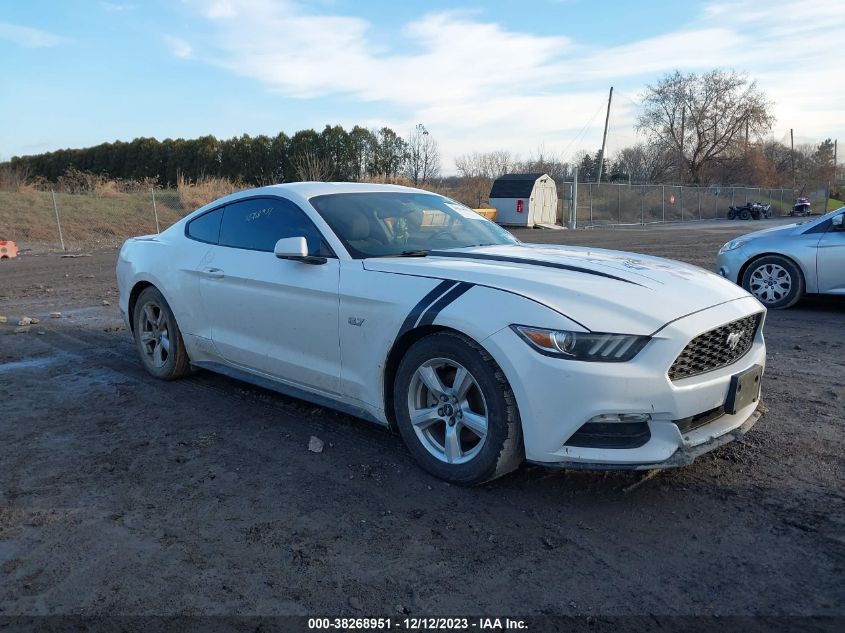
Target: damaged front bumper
point(684, 456)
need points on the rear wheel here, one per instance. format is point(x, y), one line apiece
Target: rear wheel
point(456, 411)
point(776, 281)
point(745, 214)
point(158, 338)
point(732, 214)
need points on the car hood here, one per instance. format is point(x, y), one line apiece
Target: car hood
point(603, 290)
point(775, 231)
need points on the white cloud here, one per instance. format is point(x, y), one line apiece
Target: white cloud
point(477, 84)
point(220, 9)
point(178, 46)
point(28, 37)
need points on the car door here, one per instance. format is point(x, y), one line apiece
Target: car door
point(830, 260)
point(276, 316)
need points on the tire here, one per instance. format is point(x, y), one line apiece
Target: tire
point(745, 214)
point(775, 281)
point(158, 338)
point(475, 435)
point(732, 214)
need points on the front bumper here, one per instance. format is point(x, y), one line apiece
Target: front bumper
point(730, 263)
point(557, 397)
point(681, 457)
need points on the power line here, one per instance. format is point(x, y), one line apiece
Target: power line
point(583, 131)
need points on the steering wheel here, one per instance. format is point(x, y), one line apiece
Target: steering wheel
point(445, 233)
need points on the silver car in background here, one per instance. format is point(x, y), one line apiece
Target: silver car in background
point(781, 264)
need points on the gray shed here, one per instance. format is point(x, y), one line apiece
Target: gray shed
point(524, 199)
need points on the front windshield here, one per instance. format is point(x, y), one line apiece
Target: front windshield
point(385, 224)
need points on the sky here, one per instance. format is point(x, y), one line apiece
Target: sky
point(526, 76)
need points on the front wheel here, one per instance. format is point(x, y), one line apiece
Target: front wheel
point(455, 410)
point(776, 281)
point(158, 338)
point(745, 214)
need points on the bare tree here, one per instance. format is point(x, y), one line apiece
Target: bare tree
point(702, 117)
point(309, 165)
point(484, 164)
point(479, 169)
point(422, 159)
point(643, 163)
point(13, 178)
point(543, 162)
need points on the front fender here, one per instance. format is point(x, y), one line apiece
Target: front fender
point(377, 309)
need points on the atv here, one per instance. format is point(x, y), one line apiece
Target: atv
point(749, 210)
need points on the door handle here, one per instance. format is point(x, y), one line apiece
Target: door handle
point(214, 273)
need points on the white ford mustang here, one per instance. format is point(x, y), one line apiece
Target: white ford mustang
point(410, 310)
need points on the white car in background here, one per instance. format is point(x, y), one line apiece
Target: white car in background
point(408, 309)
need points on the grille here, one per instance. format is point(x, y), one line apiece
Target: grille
point(712, 350)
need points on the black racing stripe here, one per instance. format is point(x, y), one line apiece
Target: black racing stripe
point(414, 314)
point(442, 302)
point(532, 262)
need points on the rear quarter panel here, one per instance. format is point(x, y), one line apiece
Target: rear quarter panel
point(170, 265)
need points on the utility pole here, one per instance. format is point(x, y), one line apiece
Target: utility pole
point(681, 148)
point(604, 136)
point(792, 155)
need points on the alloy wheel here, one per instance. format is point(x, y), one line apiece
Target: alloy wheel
point(154, 336)
point(447, 410)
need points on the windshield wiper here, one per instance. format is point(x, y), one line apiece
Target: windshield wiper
point(420, 253)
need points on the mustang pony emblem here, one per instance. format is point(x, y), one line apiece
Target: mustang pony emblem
point(733, 339)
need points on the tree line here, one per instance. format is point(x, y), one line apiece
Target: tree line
point(697, 129)
point(332, 154)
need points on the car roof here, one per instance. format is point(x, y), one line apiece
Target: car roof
point(310, 189)
point(302, 191)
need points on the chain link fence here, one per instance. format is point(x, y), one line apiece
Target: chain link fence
point(56, 221)
point(606, 204)
point(47, 221)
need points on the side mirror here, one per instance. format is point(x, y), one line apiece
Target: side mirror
point(296, 248)
point(837, 222)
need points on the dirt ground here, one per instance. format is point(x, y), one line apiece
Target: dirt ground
point(123, 495)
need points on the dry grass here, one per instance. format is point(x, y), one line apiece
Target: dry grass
point(28, 218)
point(193, 195)
point(107, 189)
point(93, 210)
point(12, 178)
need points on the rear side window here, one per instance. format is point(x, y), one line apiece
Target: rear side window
point(259, 223)
point(206, 228)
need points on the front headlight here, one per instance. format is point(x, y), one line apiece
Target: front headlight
point(733, 245)
point(586, 346)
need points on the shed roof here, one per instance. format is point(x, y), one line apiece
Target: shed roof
point(514, 185)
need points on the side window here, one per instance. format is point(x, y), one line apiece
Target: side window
point(259, 223)
point(206, 228)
